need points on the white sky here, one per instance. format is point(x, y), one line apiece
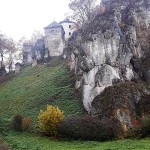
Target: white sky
point(20, 18)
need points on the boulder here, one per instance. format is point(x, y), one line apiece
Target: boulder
point(124, 101)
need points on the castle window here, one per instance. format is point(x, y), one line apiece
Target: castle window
point(69, 26)
point(69, 33)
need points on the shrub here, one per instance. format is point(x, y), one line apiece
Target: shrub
point(26, 122)
point(145, 104)
point(90, 128)
point(142, 130)
point(145, 127)
point(17, 122)
point(49, 118)
point(20, 123)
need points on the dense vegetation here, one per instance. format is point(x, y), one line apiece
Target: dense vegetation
point(31, 91)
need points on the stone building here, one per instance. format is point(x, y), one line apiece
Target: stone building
point(57, 35)
point(69, 27)
point(54, 38)
point(53, 44)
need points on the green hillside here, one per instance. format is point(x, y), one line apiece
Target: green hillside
point(21, 141)
point(31, 91)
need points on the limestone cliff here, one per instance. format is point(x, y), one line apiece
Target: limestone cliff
point(109, 51)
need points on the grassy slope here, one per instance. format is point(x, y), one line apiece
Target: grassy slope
point(36, 87)
point(31, 91)
point(20, 141)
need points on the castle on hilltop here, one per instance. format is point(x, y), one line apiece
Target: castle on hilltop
point(57, 34)
point(52, 44)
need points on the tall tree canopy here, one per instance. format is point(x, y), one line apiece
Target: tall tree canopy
point(82, 9)
point(35, 36)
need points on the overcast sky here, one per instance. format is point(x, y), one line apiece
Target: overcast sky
point(21, 17)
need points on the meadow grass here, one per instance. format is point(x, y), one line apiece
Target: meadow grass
point(19, 141)
point(35, 88)
point(30, 91)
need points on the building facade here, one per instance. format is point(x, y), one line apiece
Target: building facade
point(69, 27)
point(54, 39)
point(57, 35)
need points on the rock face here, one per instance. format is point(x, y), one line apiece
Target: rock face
point(124, 101)
point(18, 67)
point(113, 48)
point(35, 52)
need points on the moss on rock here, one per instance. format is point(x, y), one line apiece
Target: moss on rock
point(127, 97)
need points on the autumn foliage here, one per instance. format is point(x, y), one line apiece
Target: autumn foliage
point(49, 119)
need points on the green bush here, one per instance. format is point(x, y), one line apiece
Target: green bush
point(90, 128)
point(49, 118)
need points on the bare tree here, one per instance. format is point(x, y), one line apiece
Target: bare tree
point(35, 36)
point(7, 49)
point(11, 49)
point(18, 56)
point(82, 10)
point(2, 47)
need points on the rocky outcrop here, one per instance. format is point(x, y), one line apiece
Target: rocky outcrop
point(112, 49)
point(124, 101)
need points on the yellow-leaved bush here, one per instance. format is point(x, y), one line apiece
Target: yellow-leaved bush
point(49, 119)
